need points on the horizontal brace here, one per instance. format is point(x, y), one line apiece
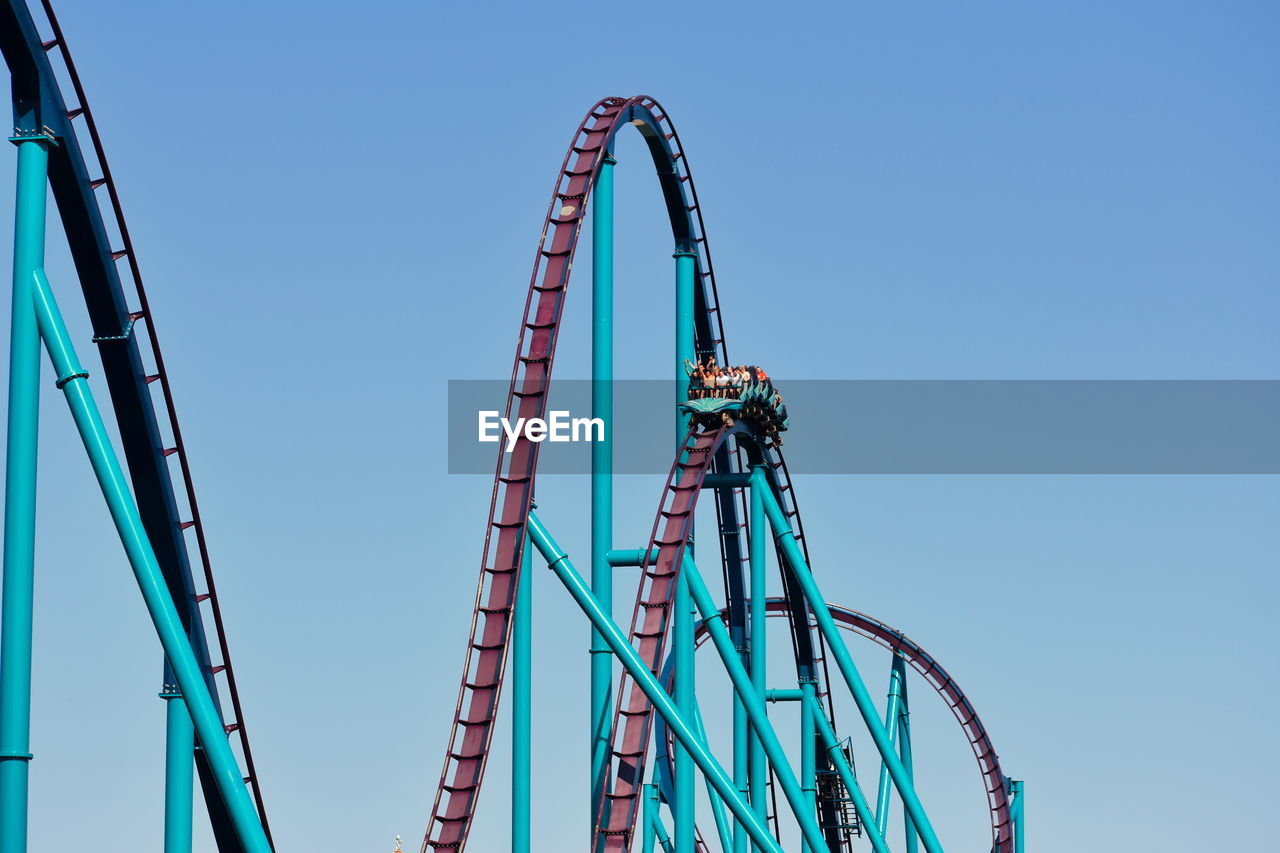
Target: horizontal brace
point(784, 695)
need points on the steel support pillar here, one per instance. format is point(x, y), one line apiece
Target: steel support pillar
point(522, 706)
point(20, 494)
point(904, 750)
point(601, 474)
point(717, 806)
point(865, 816)
point(684, 732)
point(1018, 789)
point(840, 651)
point(808, 758)
point(893, 711)
point(759, 772)
point(684, 813)
point(179, 771)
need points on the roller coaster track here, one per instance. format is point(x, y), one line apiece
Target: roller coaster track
point(147, 451)
point(476, 708)
point(650, 625)
point(941, 681)
point(722, 451)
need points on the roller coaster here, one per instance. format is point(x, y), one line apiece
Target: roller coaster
point(647, 746)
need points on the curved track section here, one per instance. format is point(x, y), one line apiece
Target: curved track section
point(942, 682)
point(98, 243)
point(650, 624)
point(485, 660)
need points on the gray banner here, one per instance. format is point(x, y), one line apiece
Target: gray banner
point(922, 426)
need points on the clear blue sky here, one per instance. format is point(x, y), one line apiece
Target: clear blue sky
point(336, 207)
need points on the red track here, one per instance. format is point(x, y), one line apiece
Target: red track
point(485, 662)
point(471, 734)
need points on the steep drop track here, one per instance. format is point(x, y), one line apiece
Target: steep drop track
point(479, 694)
point(98, 243)
point(475, 712)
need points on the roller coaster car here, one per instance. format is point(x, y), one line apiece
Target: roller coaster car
point(757, 403)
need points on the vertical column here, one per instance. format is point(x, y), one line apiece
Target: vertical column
point(686, 276)
point(522, 705)
point(682, 611)
point(178, 768)
point(1019, 794)
point(892, 712)
point(601, 473)
point(759, 589)
point(682, 640)
point(904, 747)
point(741, 765)
point(808, 752)
point(649, 818)
point(20, 495)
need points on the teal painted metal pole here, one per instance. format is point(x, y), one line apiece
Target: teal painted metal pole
point(20, 497)
point(660, 831)
point(866, 707)
point(686, 277)
point(683, 809)
point(860, 805)
point(559, 563)
point(1019, 796)
point(759, 772)
point(808, 759)
point(893, 709)
point(164, 615)
point(717, 806)
point(522, 707)
point(904, 749)
point(713, 619)
point(650, 807)
point(784, 695)
point(741, 766)
point(179, 786)
point(601, 474)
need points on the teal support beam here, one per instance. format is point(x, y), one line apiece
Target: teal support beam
point(1019, 795)
point(741, 767)
point(860, 805)
point(759, 772)
point(684, 732)
point(686, 279)
point(650, 810)
point(522, 706)
point(714, 621)
point(784, 695)
point(904, 750)
point(717, 805)
point(840, 651)
point(179, 767)
point(893, 709)
point(601, 474)
point(73, 380)
point(683, 810)
point(20, 495)
point(660, 831)
point(808, 757)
